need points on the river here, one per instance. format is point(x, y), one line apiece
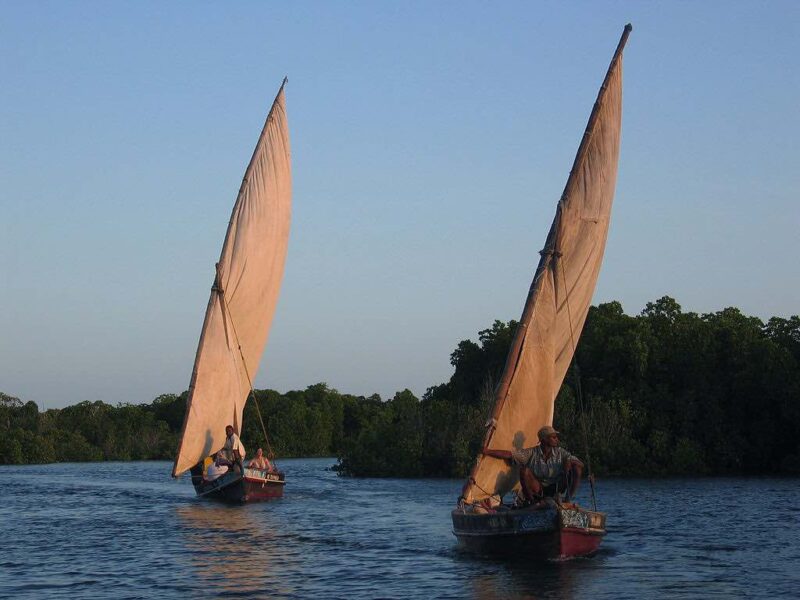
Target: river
point(127, 530)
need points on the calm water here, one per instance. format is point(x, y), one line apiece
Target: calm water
point(127, 530)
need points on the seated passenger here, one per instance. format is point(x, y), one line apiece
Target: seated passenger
point(260, 462)
point(544, 470)
point(218, 468)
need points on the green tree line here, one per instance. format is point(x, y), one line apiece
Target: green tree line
point(312, 422)
point(663, 392)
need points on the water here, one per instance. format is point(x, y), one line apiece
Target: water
point(127, 530)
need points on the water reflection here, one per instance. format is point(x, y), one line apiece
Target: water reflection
point(233, 548)
point(529, 579)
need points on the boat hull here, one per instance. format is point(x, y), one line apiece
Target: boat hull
point(550, 533)
point(237, 488)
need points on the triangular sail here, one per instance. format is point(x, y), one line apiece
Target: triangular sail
point(244, 295)
point(559, 297)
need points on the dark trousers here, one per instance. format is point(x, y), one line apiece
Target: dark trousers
point(533, 489)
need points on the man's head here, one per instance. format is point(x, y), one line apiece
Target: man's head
point(229, 430)
point(548, 436)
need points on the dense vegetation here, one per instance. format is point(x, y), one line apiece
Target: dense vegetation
point(664, 392)
point(313, 422)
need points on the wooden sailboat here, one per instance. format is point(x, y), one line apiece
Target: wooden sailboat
point(237, 321)
point(542, 350)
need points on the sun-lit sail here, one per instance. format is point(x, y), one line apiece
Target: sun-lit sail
point(560, 295)
point(244, 295)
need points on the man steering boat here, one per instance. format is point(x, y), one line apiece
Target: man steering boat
point(546, 470)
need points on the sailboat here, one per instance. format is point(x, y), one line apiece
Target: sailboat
point(238, 317)
point(541, 352)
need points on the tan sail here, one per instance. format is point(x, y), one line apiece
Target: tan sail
point(560, 295)
point(244, 296)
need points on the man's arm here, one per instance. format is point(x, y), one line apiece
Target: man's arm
point(574, 464)
point(501, 454)
point(237, 447)
point(568, 459)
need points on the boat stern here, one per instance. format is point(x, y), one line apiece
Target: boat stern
point(558, 531)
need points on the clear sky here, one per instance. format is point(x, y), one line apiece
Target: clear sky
point(430, 143)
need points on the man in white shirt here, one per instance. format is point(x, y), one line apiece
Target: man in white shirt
point(233, 448)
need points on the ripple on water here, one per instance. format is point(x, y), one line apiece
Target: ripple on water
point(127, 530)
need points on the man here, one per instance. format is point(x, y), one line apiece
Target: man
point(233, 448)
point(544, 470)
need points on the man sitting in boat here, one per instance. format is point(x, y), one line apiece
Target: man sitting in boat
point(260, 462)
point(233, 450)
point(544, 470)
point(217, 468)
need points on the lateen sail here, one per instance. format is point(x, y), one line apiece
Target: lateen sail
point(244, 295)
point(559, 297)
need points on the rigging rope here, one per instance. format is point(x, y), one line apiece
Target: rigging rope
point(488, 495)
point(270, 453)
point(577, 377)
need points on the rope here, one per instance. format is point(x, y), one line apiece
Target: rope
point(270, 453)
point(475, 483)
point(578, 390)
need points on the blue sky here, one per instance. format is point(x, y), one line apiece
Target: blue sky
point(430, 143)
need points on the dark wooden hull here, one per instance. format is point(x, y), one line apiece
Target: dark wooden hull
point(550, 533)
point(237, 488)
